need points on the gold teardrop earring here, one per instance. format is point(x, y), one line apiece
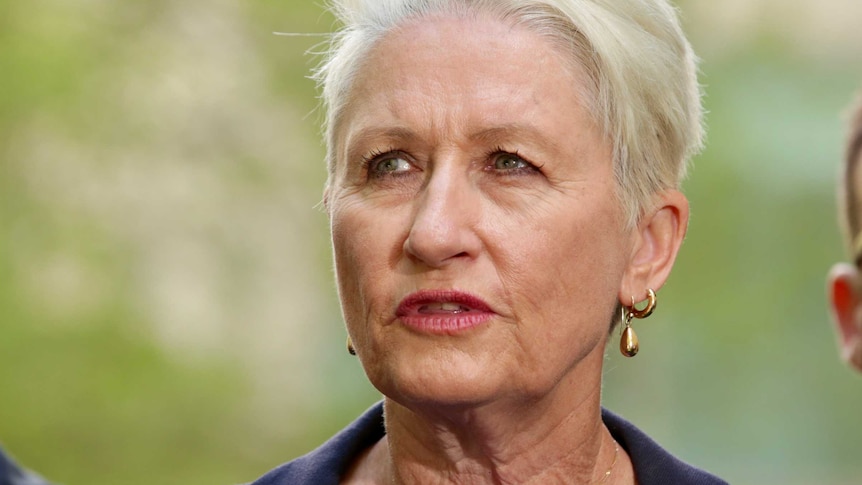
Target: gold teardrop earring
point(350, 348)
point(629, 345)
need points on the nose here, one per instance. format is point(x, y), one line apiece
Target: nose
point(444, 222)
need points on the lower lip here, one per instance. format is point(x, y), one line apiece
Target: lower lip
point(445, 324)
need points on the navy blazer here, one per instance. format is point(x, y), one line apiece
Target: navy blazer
point(326, 465)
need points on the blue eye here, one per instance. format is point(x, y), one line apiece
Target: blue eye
point(506, 161)
point(390, 165)
point(387, 164)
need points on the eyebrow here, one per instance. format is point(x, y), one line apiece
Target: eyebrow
point(505, 135)
point(388, 133)
point(355, 144)
point(517, 132)
point(508, 131)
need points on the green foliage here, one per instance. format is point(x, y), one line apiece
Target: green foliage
point(167, 311)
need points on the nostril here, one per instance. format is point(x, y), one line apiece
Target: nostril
point(438, 250)
point(442, 226)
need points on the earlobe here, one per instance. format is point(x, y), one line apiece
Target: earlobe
point(844, 298)
point(658, 237)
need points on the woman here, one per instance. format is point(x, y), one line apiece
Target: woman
point(503, 188)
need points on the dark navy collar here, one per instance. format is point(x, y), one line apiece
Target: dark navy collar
point(328, 463)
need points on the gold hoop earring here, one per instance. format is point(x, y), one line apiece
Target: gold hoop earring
point(629, 344)
point(350, 348)
point(647, 311)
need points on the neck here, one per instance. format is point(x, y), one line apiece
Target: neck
point(556, 438)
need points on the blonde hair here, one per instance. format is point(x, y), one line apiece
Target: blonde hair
point(642, 75)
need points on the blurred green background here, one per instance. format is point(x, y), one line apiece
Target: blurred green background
point(167, 311)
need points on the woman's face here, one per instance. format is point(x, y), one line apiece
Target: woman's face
point(479, 246)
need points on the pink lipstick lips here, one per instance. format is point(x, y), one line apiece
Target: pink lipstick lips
point(442, 311)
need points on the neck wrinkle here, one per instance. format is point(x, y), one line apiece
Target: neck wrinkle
point(547, 440)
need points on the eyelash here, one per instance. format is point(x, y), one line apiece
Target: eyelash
point(532, 168)
point(376, 154)
point(372, 156)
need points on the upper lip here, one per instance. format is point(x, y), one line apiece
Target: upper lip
point(412, 303)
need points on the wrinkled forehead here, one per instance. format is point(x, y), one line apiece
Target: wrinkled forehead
point(458, 62)
point(568, 56)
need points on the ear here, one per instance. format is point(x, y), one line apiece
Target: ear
point(657, 240)
point(843, 281)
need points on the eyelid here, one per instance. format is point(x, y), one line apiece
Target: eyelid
point(380, 155)
point(370, 161)
point(493, 154)
point(375, 154)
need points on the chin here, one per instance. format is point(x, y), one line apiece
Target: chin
point(435, 379)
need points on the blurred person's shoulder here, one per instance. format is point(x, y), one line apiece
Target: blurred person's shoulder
point(12, 474)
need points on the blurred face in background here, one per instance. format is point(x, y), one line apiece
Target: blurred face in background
point(845, 281)
point(478, 241)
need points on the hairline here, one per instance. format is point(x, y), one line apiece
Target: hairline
point(578, 64)
point(638, 63)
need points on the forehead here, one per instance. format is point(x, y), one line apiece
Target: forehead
point(455, 73)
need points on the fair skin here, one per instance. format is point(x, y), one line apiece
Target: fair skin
point(468, 165)
point(845, 294)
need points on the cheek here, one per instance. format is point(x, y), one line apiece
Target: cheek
point(363, 250)
point(566, 267)
point(347, 246)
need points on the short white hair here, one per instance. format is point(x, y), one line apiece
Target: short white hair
point(641, 73)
